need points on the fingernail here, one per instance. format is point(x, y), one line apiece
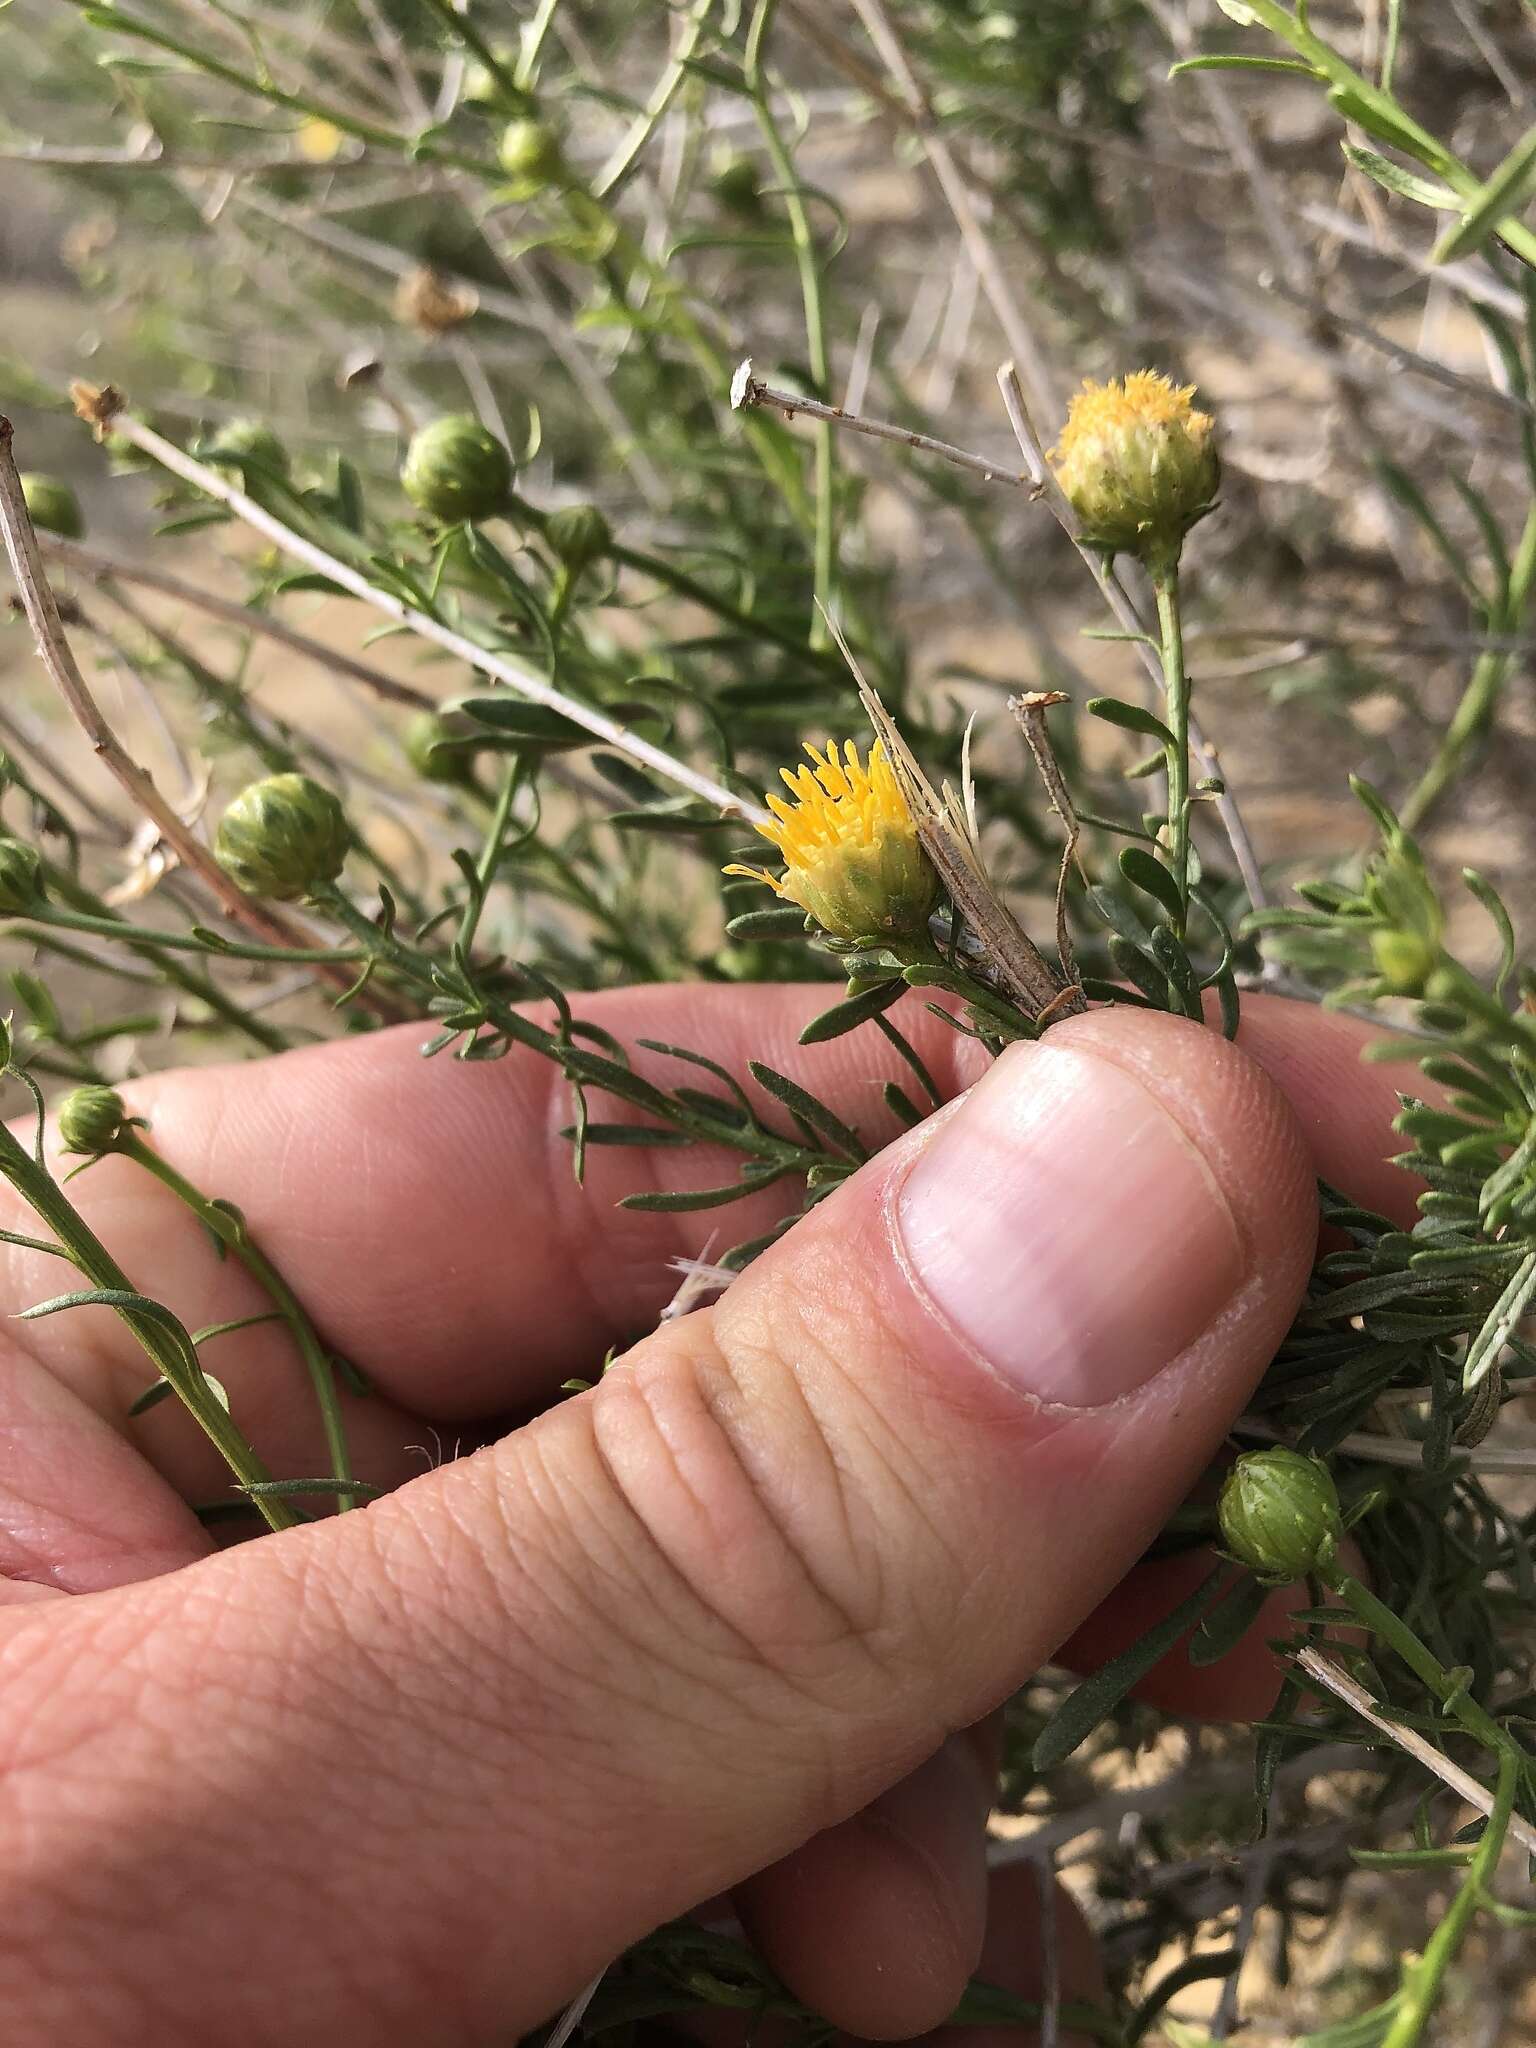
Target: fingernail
point(1064, 1224)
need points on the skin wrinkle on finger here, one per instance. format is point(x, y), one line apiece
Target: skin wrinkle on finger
point(691, 1823)
point(793, 1503)
point(445, 1135)
point(472, 1142)
point(92, 1351)
point(492, 1723)
point(78, 1507)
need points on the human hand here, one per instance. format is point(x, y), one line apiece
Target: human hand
point(718, 1625)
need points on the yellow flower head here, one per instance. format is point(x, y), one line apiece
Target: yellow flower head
point(319, 141)
point(1138, 463)
point(852, 857)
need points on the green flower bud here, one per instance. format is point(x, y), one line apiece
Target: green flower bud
point(242, 441)
point(737, 188)
point(283, 837)
point(1279, 1514)
point(530, 154)
point(21, 878)
point(1138, 464)
point(1404, 960)
point(92, 1120)
point(52, 504)
point(455, 469)
point(579, 535)
point(429, 754)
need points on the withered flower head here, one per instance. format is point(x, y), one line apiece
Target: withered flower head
point(1138, 464)
point(429, 303)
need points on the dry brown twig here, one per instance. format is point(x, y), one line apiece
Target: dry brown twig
point(962, 203)
point(1030, 709)
point(272, 927)
point(1402, 1450)
point(1333, 1678)
point(105, 409)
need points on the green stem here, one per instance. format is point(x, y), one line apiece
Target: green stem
point(231, 1233)
point(645, 124)
point(144, 944)
point(184, 942)
point(808, 264)
point(1165, 581)
point(1490, 673)
point(490, 851)
point(85, 1251)
point(503, 1016)
point(534, 37)
point(1424, 1664)
point(118, 21)
point(1396, 125)
point(1423, 1977)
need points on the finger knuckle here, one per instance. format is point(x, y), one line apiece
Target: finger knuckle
point(765, 1485)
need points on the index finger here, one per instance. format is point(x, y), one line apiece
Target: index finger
point(427, 1213)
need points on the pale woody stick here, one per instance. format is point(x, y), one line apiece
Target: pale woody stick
point(104, 408)
point(57, 657)
point(1337, 1681)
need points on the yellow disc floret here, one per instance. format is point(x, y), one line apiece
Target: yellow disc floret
point(1138, 462)
point(849, 843)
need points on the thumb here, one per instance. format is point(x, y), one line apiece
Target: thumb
point(528, 1707)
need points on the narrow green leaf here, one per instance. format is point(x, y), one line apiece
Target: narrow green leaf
point(1493, 903)
point(1405, 184)
point(1377, 117)
point(1196, 1969)
point(532, 726)
point(1483, 1351)
point(1131, 718)
point(804, 1105)
point(901, 1105)
point(1505, 192)
point(678, 1200)
point(675, 814)
point(1228, 1622)
point(1145, 872)
point(787, 922)
point(1414, 502)
point(1488, 527)
point(630, 1134)
point(1232, 62)
point(852, 1012)
point(280, 1489)
point(156, 1392)
point(1089, 1703)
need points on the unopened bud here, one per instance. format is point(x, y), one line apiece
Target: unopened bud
point(241, 441)
point(429, 748)
point(52, 504)
point(456, 469)
point(579, 535)
point(92, 1120)
point(283, 837)
point(1404, 960)
point(1279, 1514)
point(21, 878)
point(530, 154)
